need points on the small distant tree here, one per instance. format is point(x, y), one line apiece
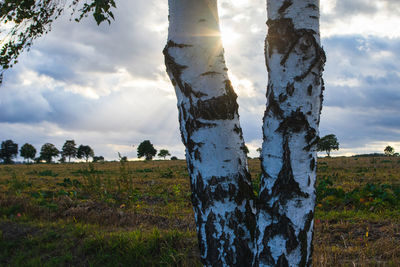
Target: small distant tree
point(328, 143)
point(174, 158)
point(28, 151)
point(85, 152)
point(147, 150)
point(389, 151)
point(163, 153)
point(69, 150)
point(98, 159)
point(8, 151)
point(122, 158)
point(48, 151)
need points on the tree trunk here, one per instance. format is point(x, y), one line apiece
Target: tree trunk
point(295, 62)
point(222, 194)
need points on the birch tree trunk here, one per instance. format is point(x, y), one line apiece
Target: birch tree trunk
point(222, 195)
point(295, 61)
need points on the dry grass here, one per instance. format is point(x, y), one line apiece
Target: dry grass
point(142, 195)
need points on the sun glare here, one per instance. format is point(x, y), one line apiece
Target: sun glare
point(229, 36)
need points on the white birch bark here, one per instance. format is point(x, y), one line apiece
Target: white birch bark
point(295, 62)
point(222, 195)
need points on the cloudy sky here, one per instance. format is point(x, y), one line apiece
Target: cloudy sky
point(107, 87)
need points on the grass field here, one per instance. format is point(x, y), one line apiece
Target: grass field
point(139, 214)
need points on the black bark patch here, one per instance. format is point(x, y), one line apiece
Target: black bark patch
point(321, 97)
point(282, 98)
point(171, 43)
point(311, 138)
point(312, 6)
point(217, 108)
point(309, 90)
point(304, 240)
point(213, 255)
point(188, 91)
point(210, 73)
point(265, 257)
point(191, 145)
point(285, 186)
point(237, 129)
point(282, 261)
point(222, 107)
point(273, 105)
point(281, 35)
point(246, 192)
point(197, 155)
point(174, 68)
point(296, 122)
point(311, 134)
point(285, 6)
point(192, 125)
point(312, 164)
point(249, 219)
point(290, 89)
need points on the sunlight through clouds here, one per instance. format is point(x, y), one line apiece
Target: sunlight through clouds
point(243, 86)
point(107, 85)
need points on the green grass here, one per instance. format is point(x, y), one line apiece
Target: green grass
point(67, 244)
point(139, 213)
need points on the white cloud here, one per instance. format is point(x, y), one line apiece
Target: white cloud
point(106, 86)
point(361, 17)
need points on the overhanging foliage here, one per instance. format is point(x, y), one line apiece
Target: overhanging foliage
point(22, 21)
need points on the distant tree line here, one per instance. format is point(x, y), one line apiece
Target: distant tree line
point(9, 151)
point(147, 150)
point(69, 151)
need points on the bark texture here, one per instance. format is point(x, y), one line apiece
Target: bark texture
point(222, 195)
point(295, 61)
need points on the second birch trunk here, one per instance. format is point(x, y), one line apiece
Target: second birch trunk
point(295, 61)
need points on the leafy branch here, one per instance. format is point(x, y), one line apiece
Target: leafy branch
point(23, 21)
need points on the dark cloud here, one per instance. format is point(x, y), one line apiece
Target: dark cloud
point(362, 97)
point(106, 86)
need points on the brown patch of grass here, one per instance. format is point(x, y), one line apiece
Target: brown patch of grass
point(339, 243)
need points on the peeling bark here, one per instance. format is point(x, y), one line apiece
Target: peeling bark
point(222, 194)
point(295, 61)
